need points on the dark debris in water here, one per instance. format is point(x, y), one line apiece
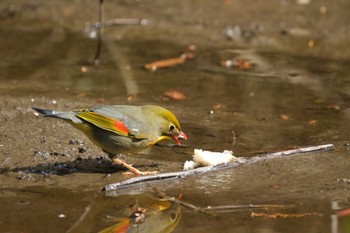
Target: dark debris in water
point(91, 165)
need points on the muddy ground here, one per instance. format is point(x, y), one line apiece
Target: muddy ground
point(294, 93)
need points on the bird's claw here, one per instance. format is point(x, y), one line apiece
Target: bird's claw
point(140, 173)
point(132, 170)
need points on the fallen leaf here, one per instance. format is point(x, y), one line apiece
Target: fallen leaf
point(191, 47)
point(82, 95)
point(334, 106)
point(344, 212)
point(68, 11)
point(318, 101)
point(310, 43)
point(217, 106)
point(101, 100)
point(275, 186)
point(323, 10)
point(242, 64)
point(131, 97)
point(174, 95)
point(313, 122)
point(284, 117)
point(238, 64)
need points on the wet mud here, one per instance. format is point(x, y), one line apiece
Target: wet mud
point(258, 82)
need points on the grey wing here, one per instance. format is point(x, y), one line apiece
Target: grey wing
point(131, 116)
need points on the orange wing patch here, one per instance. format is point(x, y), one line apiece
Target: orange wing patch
point(120, 126)
point(104, 122)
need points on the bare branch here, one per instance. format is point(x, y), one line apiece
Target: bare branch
point(182, 174)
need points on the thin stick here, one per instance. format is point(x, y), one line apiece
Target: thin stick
point(123, 21)
point(187, 205)
point(99, 32)
point(163, 197)
point(249, 206)
point(165, 63)
point(208, 210)
point(182, 174)
point(81, 218)
point(233, 138)
point(282, 215)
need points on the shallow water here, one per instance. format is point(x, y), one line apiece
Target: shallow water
point(295, 94)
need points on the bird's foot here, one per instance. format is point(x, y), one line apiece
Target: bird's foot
point(132, 170)
point(140, 173)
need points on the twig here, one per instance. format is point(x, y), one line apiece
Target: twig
point(282, 215)
point(233, 138)
point(124, 21)
point(99, 32)
point(167, 62)
point(161, 196)
point(81, 218)
point(343, 212)
point(187, 205)
point(182, 174)
point(116, 22)
point(274, 155)
point(249, 206)
point(162, 176)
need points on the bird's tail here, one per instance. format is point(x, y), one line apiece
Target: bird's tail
point(69, 116)
point(45, 112)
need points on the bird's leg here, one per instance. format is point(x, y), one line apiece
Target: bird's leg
point(132, 170)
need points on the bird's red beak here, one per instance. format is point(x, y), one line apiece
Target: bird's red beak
point(181, 135)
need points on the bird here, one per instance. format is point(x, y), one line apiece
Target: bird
point(123, 129)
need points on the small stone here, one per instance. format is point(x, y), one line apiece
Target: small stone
point(75, 142)
point(83, 69)
point(81, 150)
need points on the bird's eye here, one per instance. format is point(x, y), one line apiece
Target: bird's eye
point(171, 128)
